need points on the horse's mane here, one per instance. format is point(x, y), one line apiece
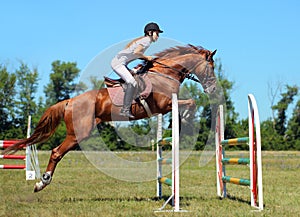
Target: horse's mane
point(176, 51)
point(180, 50)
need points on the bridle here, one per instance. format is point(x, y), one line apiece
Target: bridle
point(184, 73)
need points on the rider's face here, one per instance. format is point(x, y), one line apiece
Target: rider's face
point(155, 36)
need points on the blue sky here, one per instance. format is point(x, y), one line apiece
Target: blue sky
point(257, 41)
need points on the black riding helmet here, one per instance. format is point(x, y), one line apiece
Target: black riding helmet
point(152, 27)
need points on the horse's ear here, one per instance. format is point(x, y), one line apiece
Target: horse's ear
point(193, 46)
point(213, 53)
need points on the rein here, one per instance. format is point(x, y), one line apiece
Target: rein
point(184, 74)
point(162, 75)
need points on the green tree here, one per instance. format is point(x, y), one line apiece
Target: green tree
point(281, 134)
point(27, 81)
point(62, 86)
point(231, 116)
point(229, 109)
point(205, 106)
point(270, 139)
point(7, 103)
point(281, 108)
point(293, 129)
point(62, 82)
point(96, 83)
point(40, 109)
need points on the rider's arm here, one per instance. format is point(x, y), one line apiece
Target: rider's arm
point(139, 53)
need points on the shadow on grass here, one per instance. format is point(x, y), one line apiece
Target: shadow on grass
point(229, 197)
point(127, 199)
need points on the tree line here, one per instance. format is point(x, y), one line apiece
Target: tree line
point(19, 98)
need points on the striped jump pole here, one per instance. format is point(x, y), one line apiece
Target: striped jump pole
point(174, 141)
point(13, 166)
point(254, 161)
point(7, 143)
point(10, 167)
point(15, 157)
point(31, 161)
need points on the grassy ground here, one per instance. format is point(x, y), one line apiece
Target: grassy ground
point(79, 189)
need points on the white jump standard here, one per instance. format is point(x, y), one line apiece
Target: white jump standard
point(174, 141)
point(254, 160)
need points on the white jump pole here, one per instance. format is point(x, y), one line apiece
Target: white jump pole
point(255, 154)
point(32, 163)
point(175, 153)
point(30, 174)
point(219, 136)
point(175, 159)
point(159, 155)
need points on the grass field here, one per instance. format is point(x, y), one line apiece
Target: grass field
point(79, 189)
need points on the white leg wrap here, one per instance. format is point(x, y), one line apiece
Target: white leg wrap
point(45, 180)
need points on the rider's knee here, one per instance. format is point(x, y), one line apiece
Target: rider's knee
point(133, 82)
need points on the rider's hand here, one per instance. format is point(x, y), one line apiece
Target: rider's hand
point(149, 58)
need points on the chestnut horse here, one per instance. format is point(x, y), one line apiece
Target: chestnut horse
point(83, 112)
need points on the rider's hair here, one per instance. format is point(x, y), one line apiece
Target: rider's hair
point(149, 33)
point(134, 40)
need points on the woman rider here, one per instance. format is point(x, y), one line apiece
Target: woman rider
point(134, 50)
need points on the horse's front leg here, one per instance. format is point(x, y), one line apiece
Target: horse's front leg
point(187, 108)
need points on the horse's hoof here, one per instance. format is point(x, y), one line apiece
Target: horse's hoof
point(35, 189)
point(38, 186)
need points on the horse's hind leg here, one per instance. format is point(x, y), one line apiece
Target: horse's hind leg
point(79, 117)
point(57, 154)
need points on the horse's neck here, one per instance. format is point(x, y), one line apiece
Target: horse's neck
point(187, 61)
point(164, 79)
point(171, 70)
point(164, 85)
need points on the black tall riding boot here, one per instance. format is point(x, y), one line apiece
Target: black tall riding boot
point(129, 94)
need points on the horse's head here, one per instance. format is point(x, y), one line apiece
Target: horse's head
point(204, 69)
point(181, 62)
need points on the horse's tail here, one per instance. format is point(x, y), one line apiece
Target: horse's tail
point(44, 129)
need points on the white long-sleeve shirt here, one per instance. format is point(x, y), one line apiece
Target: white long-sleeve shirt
point(128, 55)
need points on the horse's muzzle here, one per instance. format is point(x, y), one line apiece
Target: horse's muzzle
point(210, 89)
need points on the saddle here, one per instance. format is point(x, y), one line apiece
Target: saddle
point(117, 87)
